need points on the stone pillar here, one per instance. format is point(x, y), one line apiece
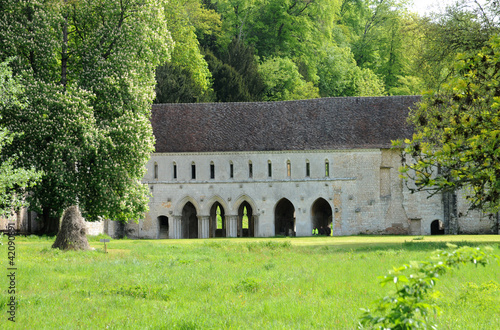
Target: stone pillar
point(255, 225)
point(231, 225)
point(203, 226)
point(175, 227)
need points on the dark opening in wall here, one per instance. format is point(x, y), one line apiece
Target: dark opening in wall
point(437, 227)
point(163, 227)
point(189, 221)
point(284, 218)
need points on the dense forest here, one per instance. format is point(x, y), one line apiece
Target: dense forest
point(256, 50)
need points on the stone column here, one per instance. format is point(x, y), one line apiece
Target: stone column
point(255, 225)
point(203, 226)
point(231, 225)
point(175, 227)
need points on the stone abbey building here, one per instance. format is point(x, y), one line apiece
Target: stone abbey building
point(284, 168)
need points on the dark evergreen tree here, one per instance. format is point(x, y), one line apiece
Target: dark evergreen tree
point(176, 85)
point(228, 84)
point(241, 58)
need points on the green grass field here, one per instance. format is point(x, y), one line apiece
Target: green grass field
point(272, 283)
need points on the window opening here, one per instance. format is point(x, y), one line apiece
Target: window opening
point(212, 170)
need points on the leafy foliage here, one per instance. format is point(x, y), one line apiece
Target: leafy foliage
point(175, 84)
point(13, 180)
point(339, 76)
point(88, 72)
point(411, 306)
point(457, 139)
point(229, 85)
point(284, 82)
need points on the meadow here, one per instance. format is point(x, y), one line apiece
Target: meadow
point(266, 283)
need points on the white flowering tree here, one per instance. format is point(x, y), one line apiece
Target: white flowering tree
point(13, 180)
point(88, 70)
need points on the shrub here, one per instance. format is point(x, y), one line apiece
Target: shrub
point(411, 305)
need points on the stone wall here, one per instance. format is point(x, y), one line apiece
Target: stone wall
point(362, 191)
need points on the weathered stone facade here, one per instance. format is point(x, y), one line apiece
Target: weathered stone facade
point(291, 166)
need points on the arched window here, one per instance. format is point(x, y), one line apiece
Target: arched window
point(327, 168)
point(269, 169)
point(193, 171)
point(288, 168)
point(212, 170)
point(174, 170)
point(308, 169)
point(156, 171)
point(231, 170)
point(250, 169)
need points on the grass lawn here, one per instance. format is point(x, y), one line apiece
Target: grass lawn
point(253, 283)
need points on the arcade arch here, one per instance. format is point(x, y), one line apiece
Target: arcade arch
point(189, 221)
point(217, 225)
point(246, 220)
point(284, 218)
point(321, 214)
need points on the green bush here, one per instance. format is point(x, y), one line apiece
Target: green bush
point(412, 304)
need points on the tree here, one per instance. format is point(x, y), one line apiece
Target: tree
point(175, 84)
point(284, 82)
point(13, 181)
point(464, 26)
point(186, 56)
point(340, 76)
point(241, 57)
point(88, 68)
point(228, 85)
point(456, 144)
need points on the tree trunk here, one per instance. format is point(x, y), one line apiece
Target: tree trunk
point(50, 225)
point(72, 235)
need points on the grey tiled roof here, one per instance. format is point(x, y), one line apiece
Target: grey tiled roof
point(317, 124)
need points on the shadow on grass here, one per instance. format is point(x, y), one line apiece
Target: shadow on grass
point(411, 246)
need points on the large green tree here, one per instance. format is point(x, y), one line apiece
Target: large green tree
point(88, 68)
point(340, 76)
point(464, 26)
point(13, 180)
point(284, 82)
point(457, 140)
